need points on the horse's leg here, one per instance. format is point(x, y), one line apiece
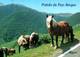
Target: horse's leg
point(52, 38)
point(19, 49)
point(62, 39)
point(28, 44)
point(5, 52)
point(71, 34)
point(31, 43)
point(57, 41)
point(67, 36)
point(36, 41)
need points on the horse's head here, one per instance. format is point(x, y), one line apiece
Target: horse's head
point(49, 20)
point(22, 40)
point(10, 51)
point(49, 17)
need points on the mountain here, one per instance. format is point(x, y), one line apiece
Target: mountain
point(59, 18)
point(74, 19)
point(18, 19)
point(64, 14)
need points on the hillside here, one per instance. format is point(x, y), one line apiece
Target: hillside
point(6, 10)
point(64, 14)
point(18, 22)
point(18, 19)
point(74, 19)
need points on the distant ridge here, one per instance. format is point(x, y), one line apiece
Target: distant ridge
point(74, 19)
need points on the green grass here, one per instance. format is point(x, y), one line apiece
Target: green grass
point(42, 51)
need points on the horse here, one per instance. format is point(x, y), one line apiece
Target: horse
point(33, 39)
point(23, 41)
point(10, 51)
point(6, 51)
point(28, 41)
point(61, 28)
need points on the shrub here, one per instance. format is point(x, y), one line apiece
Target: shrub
point(44, 38)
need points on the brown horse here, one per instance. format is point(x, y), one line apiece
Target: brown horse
point(10, 51)
point(28, 41)
point(6, 51)
point(61, 28)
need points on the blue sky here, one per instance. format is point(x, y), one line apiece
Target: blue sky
point(37, 5)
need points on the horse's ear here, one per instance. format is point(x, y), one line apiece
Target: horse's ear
point(47, 15)
point(52, 16)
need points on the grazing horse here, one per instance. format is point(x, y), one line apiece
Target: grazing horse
point(33, 39)
point(61, 28)
point(23, 41)
point(6, 51)
point(28, 41)
point(10, 51)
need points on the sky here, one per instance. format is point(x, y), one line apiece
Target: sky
point(48, 6)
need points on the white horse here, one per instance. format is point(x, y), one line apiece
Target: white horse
point(23, 41)
point(28, 41)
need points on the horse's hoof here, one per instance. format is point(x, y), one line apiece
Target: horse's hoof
point(56, 47)
point(52, 45)
point(30, 46)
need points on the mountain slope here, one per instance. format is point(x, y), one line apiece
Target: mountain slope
point(23, 21)
point(6, 10)
point(74, 19)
